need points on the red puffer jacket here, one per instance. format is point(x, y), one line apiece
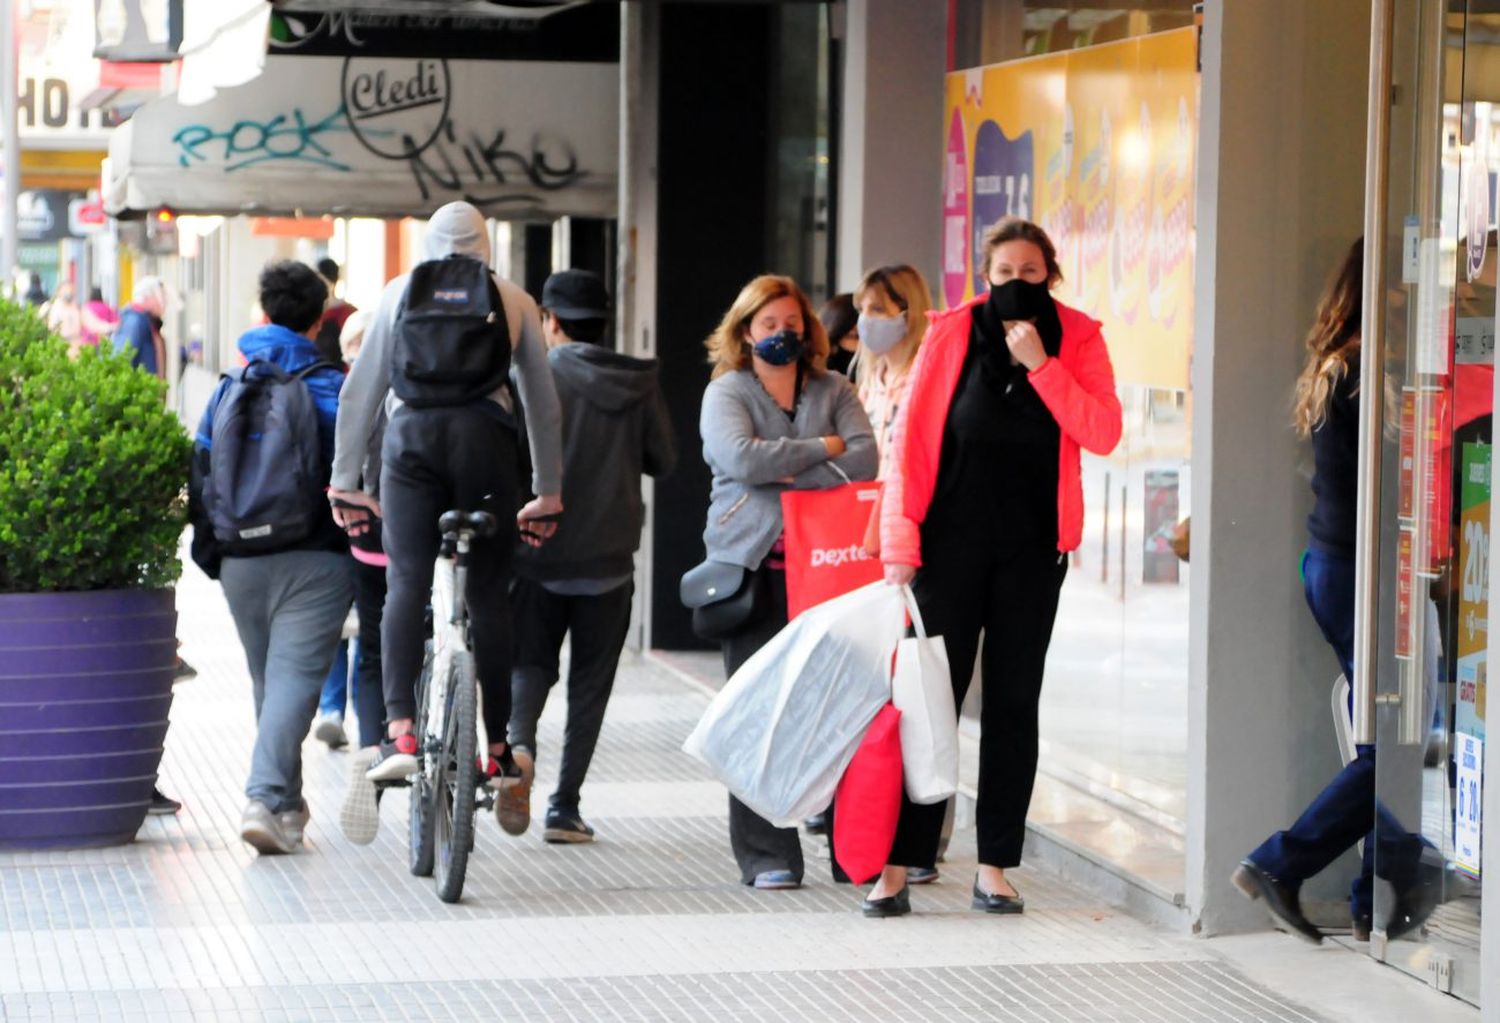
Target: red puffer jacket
point(1078, 386)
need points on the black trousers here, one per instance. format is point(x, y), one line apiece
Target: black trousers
point(437, 460)
point(369, 605)
point(965, 587)
point(598, 625)
point(758, 844)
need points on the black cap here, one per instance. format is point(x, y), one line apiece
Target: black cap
point(576, 295)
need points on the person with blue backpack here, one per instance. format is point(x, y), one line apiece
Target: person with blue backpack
point(263, 528)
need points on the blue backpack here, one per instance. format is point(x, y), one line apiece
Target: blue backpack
point(265, 486)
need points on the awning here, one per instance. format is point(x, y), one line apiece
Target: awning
point(379, 136)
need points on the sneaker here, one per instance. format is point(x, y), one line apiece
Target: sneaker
point(513, 780)
point(360, 817)
point(262, 829)
point(565, 827)
point(161, 804)
point(329, 729)
point(294, 823)
point(777, 880)
point(182, 671)
point(394, 760)
point(921, 875)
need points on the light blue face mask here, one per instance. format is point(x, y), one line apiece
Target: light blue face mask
point(881, 333)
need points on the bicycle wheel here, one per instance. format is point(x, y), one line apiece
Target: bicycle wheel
point(458, 779)
point(419, 815)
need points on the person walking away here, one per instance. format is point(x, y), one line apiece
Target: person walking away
point(330, 332)
point(369, 559)
point(99, 319)
point(447, 447)
point(580, 584)
point(773, 418)
point(139, 331)
point(840, 319)
point(65, 318)
point(261, 526)
point(1327, 412)
point(983, 500)
point(36, 294)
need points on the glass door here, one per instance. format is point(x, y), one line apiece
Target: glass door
point(1434, 497)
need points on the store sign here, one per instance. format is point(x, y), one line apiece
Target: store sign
point(1473, 593)
point(45, 215)
point(561, 31)
point(1468, 816)
point(380, 136)
point(1097, 146)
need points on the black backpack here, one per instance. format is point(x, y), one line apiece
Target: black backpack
point(452, 344)
point(265, 485)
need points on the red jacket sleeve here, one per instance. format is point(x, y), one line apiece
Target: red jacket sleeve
point(1084, 402)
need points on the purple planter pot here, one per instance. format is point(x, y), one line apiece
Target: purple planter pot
point(85, 687)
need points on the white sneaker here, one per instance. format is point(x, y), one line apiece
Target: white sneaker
point(360, 817)
point(262, 829)
point(329, 728)
point(294, 823)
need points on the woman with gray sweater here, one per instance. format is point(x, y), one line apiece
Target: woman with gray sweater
point(773, 419)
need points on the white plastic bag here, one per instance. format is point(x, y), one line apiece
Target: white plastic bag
point(783, 729)
point(922, 691)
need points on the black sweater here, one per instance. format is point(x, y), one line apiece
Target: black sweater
point(1335, 442)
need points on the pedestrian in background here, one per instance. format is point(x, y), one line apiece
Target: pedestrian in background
point(139, 330)
point(840, 320)
point(982, 501)
point(1327, 412)
point(580, 583)
point(65, 318)
point(99, 318)
point(773, 417)
point(36, 294)
point(288, 600)
point(330, 332)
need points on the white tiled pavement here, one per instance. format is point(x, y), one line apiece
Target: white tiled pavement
point(646, 924)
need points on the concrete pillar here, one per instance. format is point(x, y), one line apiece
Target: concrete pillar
point(891, 147)
point(1280, 198)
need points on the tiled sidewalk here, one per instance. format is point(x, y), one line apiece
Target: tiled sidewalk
point(646, 924)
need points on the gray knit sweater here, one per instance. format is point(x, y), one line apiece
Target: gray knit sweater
point(751, 446)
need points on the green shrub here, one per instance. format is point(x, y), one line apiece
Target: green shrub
point(92, 467)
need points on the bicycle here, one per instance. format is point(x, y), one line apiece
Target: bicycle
point(449, 787)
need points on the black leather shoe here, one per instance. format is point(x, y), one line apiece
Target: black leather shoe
point(1413, 907)
point(817, 824)
point(892, 905)
point(992, 903)
point(1281, 899)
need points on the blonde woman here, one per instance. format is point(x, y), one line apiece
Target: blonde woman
point(893, 302)
point(773, 418)
point(1327, 412)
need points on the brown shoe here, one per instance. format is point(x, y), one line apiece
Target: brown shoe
point(513, 785)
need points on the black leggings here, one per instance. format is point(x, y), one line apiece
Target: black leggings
point(436, 460)
point(965, 587)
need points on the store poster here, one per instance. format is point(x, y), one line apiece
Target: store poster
point(1096, 145)
point(1468, 815)
point(1473, 594)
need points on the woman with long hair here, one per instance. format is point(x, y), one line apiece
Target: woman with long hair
point(773, 419)
point(1326, 410)
point(893, 303)
point(983, 500)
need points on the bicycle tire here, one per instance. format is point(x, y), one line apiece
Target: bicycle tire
point(455, 803)
point(419, 816)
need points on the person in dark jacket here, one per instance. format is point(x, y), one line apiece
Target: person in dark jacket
point(139, 330)
point(615, 428)
point(1327, 412)
point(288, 604)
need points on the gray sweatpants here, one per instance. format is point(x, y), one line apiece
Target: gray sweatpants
point(289, 609)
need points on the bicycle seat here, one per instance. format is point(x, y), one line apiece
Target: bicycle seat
point(479, 523)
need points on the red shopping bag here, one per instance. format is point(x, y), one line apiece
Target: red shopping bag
point(869, 800)
point(825, 536)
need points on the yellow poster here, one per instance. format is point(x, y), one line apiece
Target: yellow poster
point(1096, 145)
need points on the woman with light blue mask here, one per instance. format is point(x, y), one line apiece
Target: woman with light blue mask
point(893, 302)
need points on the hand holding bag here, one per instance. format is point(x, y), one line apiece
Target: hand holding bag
point(869, 800)
point(922, 691)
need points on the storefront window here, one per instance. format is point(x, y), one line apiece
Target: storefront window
point(991, 31)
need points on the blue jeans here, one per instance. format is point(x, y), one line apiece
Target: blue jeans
point(335, 698)
point(1340, 815)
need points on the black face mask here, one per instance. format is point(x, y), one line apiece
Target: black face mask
point(1020, 300)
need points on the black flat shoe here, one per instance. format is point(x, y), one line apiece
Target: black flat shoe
point(1281, 899)
point(892, 905)
point(992, 903)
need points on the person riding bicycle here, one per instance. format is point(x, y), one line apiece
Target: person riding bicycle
point(451, 443)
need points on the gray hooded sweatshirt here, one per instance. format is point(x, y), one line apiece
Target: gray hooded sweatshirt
point(457, 227)
point(616, 428)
